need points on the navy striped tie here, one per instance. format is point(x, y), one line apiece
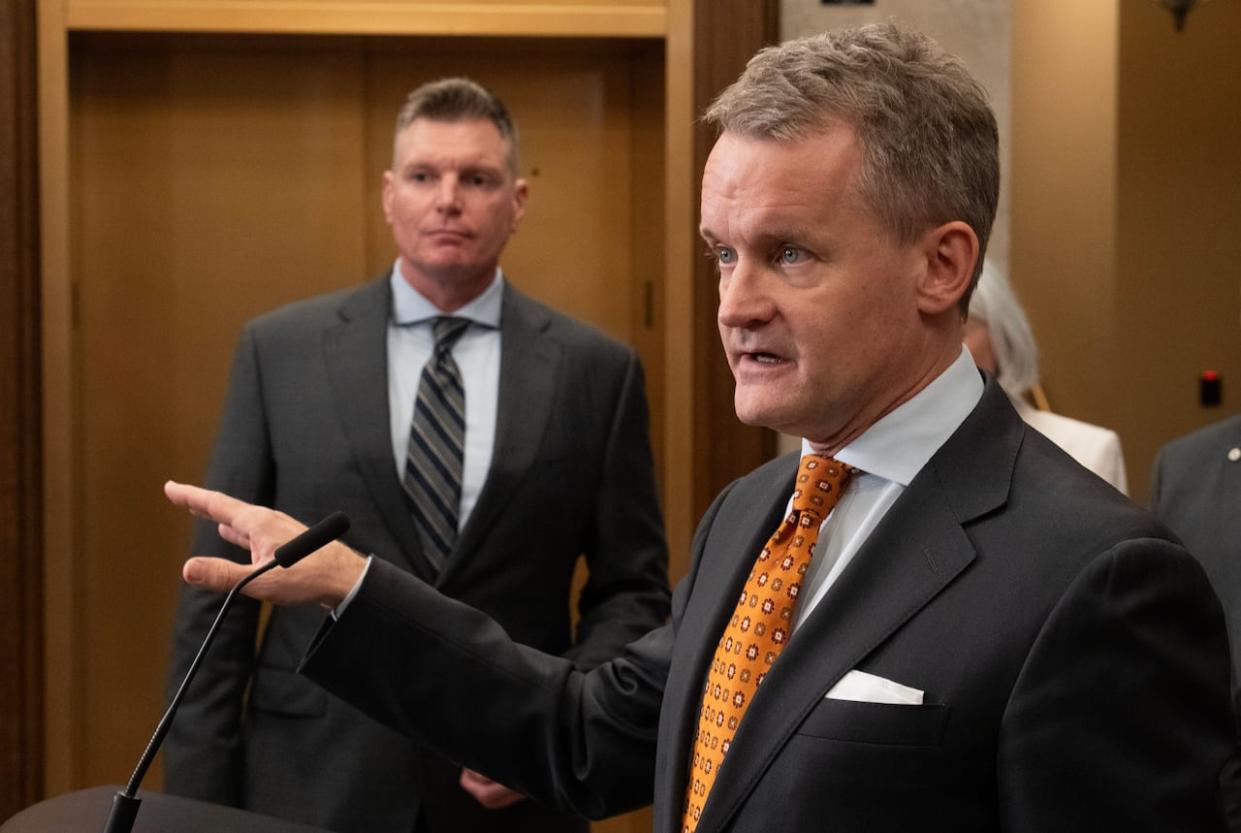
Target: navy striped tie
point(433, 461)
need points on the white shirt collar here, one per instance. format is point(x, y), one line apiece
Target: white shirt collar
point(409, 306)
point(900, 444)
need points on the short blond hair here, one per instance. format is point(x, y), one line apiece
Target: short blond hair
point(459, 99)
point(929, 139)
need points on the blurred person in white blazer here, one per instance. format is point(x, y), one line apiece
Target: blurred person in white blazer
point(998, 335)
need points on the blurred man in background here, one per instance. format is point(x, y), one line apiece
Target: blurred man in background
point(478, 440)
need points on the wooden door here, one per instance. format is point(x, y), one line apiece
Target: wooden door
point(216, 178)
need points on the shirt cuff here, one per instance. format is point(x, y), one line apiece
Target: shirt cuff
point(353, 591)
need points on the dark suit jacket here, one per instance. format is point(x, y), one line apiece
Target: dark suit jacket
point(1073, 659)
point(305, 429)
point(1196, 491)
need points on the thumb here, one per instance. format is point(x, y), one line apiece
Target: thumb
point(218, 574)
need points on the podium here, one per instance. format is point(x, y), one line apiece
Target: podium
point(86, 811)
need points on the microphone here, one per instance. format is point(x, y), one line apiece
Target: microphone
point(125, 803)
point(324, 532)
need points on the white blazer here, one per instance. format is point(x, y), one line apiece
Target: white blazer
point(1098, 449)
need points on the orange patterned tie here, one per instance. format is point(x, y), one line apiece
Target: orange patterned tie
point(760, 626)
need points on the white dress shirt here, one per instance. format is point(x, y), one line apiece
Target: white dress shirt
point(477, 354)
point(889, 453)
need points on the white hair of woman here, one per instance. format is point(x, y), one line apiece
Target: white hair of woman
point(1016, 355)
point(999, 337)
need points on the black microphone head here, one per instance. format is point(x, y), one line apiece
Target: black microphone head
point(324, 532)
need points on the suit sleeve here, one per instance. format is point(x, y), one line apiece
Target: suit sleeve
point(448, 676)
point(1137, 641)
point(203, 750)
point(1162, 502)
point(627, 593)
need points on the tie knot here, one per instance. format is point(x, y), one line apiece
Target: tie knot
point(447, 330)
point(820, 480)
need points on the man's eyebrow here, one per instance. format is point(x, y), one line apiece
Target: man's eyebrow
point(706, 235)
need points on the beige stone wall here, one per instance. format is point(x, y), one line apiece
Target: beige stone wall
point(1127, 230)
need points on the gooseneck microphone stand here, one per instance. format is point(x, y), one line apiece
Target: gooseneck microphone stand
point(125, 803)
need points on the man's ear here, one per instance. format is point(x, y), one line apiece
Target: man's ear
point(386, 196)
point(951, 251)
point(521, 194)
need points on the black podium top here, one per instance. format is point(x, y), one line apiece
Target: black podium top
point(86, 811)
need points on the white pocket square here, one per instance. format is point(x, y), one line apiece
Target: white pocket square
point(867, 688)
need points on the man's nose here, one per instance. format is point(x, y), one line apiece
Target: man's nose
point(744, 299)
point(448, 196)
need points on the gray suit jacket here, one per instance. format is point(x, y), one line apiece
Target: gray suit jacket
point(305, 430)
point(1073, 657)
point(1196, 491)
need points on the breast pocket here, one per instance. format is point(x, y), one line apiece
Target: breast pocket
point(878, 723)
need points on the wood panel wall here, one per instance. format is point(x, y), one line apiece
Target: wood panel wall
point(680, 55)
point(216, 178)
point(726, 33)
point(21, 725)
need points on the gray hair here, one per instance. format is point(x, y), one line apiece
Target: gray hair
point(1012, 340)
point(929, 139)
point(459, 99)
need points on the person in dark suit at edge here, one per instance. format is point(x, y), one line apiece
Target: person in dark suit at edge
point(1196, 491)
point(528, 447)
point(979, 635)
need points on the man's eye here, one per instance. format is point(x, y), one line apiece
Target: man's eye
point(791, 254)
point(419, 176)
point(725, 255)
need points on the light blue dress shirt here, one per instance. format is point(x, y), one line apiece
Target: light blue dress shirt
point(477, 354)
point(890, 454)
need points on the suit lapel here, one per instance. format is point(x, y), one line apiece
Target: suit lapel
point(529, 360)
point(355, 351)
point(736, 535)
point(894, 575)
point(918, 550)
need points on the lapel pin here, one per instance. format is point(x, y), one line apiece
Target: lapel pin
point(1234, 454)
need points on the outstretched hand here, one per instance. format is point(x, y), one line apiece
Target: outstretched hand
point(491, 794)
point(325, 576)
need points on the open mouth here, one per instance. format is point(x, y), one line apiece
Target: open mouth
point(760, 360)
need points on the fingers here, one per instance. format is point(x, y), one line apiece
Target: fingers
point(219, 574)
point(205, 503)
point(491, 794)
point(237, 522)
point(233, 536)
point(326, 576)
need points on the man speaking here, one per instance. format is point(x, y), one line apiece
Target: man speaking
point(936, 620)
